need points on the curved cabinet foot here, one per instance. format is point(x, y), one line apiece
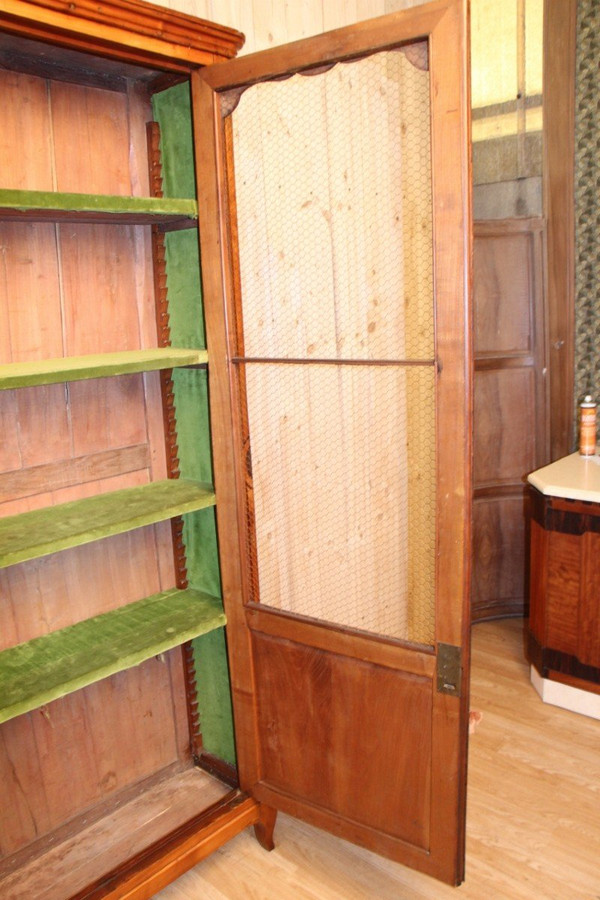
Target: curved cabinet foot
point(265, 826)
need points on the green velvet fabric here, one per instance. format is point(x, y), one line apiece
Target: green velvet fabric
point(56, 664)
point(42, 531)
point(185, 291)
point(172, 110)
point(216, 715)
point(152, 207)
point(96, 365)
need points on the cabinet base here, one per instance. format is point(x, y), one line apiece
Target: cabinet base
point(564, 695)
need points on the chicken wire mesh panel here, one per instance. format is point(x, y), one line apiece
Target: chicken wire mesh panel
point(341, 494)
point(333, 190)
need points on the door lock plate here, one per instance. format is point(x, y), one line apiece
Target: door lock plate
point(449, 670)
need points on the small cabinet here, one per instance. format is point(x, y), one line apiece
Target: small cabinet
point(564, 625)
point(115, 732)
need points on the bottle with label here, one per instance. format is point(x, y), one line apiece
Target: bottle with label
point(587, 427)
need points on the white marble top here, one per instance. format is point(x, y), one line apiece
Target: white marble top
point(574, 477)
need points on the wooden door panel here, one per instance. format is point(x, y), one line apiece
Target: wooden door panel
point(499, 553)
point(336, 256)
point(322, 716)
point(510, 417)
point(504, 403)
point(505, 282)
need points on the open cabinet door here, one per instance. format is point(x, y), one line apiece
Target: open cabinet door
point(335, 233)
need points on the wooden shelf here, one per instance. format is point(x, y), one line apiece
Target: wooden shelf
point(42, 531)
point(97, 365)
point(59, 663)
point(50, 206)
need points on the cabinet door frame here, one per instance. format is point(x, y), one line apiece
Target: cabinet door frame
point(444, 24)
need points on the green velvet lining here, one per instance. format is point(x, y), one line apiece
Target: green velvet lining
point(214, 701)
point(152, 208)
point(56, 664)
point(43, 531)
point(185, 291)
point(96, 365)
point(172, 110)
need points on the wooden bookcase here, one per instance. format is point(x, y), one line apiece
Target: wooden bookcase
point(103, 407)
point(117, 757)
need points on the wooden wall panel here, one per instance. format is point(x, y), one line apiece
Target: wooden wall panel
point(560, 32)
point(511, 415)
point(502, 322)
point(500, 559)
point(26, 133)
point(267, 23)
point(503, 433)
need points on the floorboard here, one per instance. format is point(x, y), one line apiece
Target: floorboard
point(533, 812)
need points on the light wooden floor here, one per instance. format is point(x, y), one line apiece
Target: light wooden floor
point(533, 821)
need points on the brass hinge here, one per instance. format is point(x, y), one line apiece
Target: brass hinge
point(449, 671)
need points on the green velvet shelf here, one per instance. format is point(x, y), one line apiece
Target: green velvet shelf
point(50, 206)
point(97, 365)
point(51, 666)
point(30, 535)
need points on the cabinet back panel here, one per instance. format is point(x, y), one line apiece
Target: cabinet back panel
point(26, 133)
point(41, 150)
point(68, 290)
point(60, 760)
point(50, 593)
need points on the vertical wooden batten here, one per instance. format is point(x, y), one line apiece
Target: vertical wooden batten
point(560, 17)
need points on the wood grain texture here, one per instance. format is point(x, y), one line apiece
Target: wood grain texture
point(69, 760)
point(70, 290)
point(560, 18)
point(500, 528)
point(309, 703)
point(128, 30)
point(547, 762)
point(511, 411)
point(452, 270)
point(92, 848)
point(81, 730)
point(565, 608)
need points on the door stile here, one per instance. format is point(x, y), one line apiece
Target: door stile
point(218, 284)
point(453, 279)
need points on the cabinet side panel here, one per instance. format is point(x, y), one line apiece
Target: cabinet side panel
point(173, 112)
point(562, 601)
point(588, 625)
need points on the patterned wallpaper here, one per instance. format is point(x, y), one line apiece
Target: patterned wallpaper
point(587, 201)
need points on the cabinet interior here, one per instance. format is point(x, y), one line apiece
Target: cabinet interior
point(112, 663)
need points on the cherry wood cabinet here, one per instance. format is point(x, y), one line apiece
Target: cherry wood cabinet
point(136, 620)
point(564, 624)
point(105, 476)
